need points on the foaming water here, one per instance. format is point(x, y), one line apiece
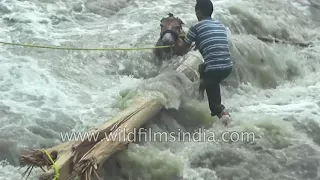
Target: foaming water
point(273, 90)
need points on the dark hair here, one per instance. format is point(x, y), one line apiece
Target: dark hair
point(205, 7)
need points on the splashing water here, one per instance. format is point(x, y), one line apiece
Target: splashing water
point(273, 90)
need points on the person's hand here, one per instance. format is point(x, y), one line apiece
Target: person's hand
point(182, 35)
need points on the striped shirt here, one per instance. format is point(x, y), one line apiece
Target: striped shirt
point(211, 40)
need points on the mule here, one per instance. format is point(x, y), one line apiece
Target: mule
point(171, 34)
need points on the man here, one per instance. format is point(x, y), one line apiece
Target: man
point(211, 40)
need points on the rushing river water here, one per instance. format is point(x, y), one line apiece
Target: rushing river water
point(273, 90)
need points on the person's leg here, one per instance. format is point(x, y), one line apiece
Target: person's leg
point(214, 98)
point(213, 80)
point(202, 83)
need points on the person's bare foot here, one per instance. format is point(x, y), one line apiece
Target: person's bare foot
point(225, 117)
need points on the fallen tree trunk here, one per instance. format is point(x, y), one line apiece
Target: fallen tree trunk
point(69, 153)
point(116, 140)
point(95, 157)
point(83, 158)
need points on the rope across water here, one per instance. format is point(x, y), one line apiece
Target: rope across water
point(82, 49)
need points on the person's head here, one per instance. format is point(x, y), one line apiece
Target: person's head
point(203, 8)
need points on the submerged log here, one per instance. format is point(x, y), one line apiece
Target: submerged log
point(278, 41)
point(83, 158)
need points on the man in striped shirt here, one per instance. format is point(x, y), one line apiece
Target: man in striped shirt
point(211, 40)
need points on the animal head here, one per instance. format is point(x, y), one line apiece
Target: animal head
point(171, 28)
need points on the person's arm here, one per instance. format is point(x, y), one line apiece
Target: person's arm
point(184, 47)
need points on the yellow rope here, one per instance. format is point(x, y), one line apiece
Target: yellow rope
point(56, 171)
point(85, 49)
